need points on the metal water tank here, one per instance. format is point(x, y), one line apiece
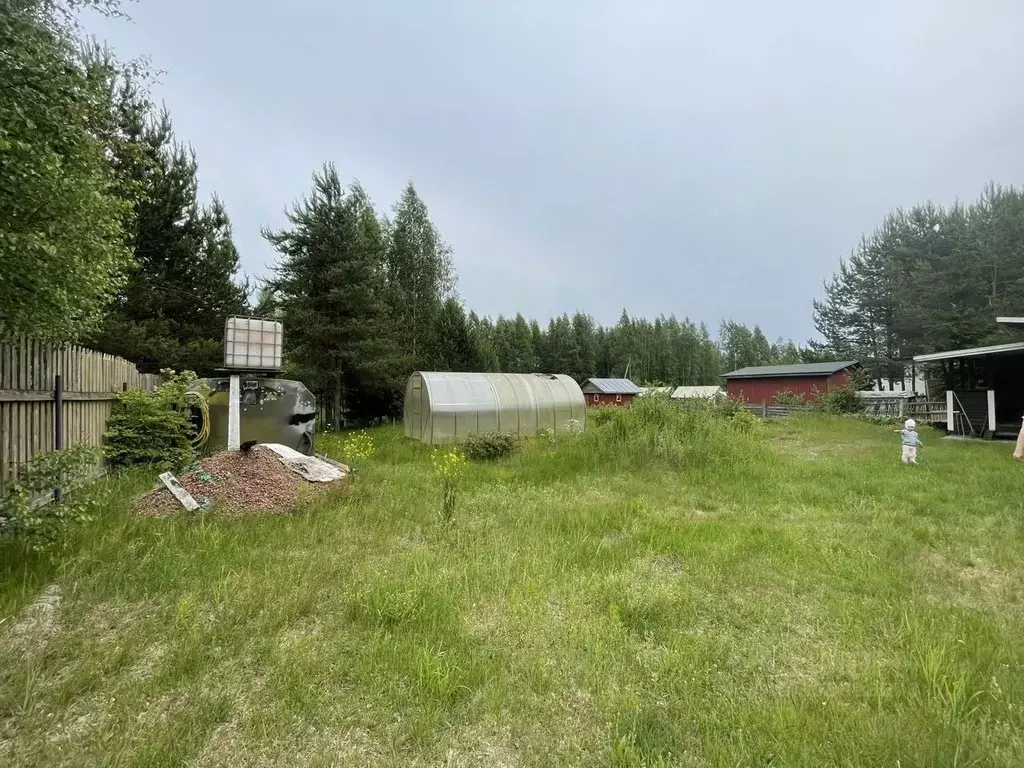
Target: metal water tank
point(272, 411)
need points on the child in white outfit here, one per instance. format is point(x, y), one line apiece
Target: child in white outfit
point(910, 441)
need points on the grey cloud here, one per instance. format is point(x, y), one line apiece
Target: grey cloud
point(708, 161)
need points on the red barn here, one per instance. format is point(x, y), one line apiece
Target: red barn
point(807, 380)
point(609, 391)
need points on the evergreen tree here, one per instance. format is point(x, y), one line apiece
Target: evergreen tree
point(487, 340)
point(453, 346)
point(522, 355)
point(539, 344)
point(586, 347)
point(332, 295)
point(927, 279)
point(172, 309)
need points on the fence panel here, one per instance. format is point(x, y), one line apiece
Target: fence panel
point(89, 381)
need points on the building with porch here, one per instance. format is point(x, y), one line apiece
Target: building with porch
point(984, 392)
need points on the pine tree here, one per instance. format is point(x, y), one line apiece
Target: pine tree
point(522, 356)
point(586, 347)
point(332, 294)
point(171, 311)
point(453, 346)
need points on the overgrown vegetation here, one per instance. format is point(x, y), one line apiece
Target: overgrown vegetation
point(450, 466)
point(486, 446)
point(62, 249)
point(153, 428)
point(840, 400)
point(801, 600)
point(655, 432)
point(24, 516)
point(785, 397)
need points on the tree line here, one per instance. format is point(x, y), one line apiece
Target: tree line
point(104, 241)
point(367, 298)
point(928, 279)
point(103, 238)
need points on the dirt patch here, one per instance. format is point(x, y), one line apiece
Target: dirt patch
point(38, 620)
point(977, 584)
point(235, 483)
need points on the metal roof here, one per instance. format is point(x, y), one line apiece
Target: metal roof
point(610, 387)
point(685, 393)
point(801, 369)
point(998, 349)
point(655, 390)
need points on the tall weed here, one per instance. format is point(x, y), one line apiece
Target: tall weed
point(658, 433)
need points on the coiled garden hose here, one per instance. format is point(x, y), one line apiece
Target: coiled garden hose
point(202, 435)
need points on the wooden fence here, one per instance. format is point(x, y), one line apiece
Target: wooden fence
point(924, 411)
point(33, 376)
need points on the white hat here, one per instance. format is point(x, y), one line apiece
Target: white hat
point(910, 424)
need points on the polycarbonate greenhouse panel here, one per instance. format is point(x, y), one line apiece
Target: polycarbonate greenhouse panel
point(448, 407)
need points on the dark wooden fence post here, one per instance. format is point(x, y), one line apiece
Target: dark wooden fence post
point(58, 421)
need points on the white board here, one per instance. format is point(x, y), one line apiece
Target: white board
point(179, 492)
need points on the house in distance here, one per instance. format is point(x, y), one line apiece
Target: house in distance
point(762, 384)
point(610, 391)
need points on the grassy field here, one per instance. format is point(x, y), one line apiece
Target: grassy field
point(651, 593)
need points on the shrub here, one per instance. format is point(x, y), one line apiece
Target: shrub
point(21, 517)
point(485, 446)
point(785, 397)
point(152, 428)
point(842, 400)
point(744, 420)
point(599, 416)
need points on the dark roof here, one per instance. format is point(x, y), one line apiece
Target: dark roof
point(802, 369)
point(610, 387)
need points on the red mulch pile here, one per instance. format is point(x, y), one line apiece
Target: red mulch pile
point(234, 483)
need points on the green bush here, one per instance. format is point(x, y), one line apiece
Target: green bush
point(842, 400)
point(152, 428)
point(599, 416)
point(785, 397)
point(485, 446)
point(22, 516)
point(744, 420)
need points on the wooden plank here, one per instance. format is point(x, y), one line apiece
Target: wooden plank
point(32, 396)
point(179, 492)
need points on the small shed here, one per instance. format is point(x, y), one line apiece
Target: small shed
point(761, 384)
point(657, 391)
point(610, 391)
point(447, 407)
point(698, 393)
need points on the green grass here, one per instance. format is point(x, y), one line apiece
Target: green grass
point(638, 596)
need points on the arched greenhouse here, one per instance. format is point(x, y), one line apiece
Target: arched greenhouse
point(446, 407)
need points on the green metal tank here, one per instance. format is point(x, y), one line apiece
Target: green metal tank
point(272, 411)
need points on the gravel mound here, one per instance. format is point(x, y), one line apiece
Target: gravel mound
point(234, 483)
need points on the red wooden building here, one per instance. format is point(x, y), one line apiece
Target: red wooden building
point(609, 391)
point(806, 380)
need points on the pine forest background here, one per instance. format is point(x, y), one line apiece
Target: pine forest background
point(105, 242)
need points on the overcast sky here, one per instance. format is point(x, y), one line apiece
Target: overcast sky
point(712, 160)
